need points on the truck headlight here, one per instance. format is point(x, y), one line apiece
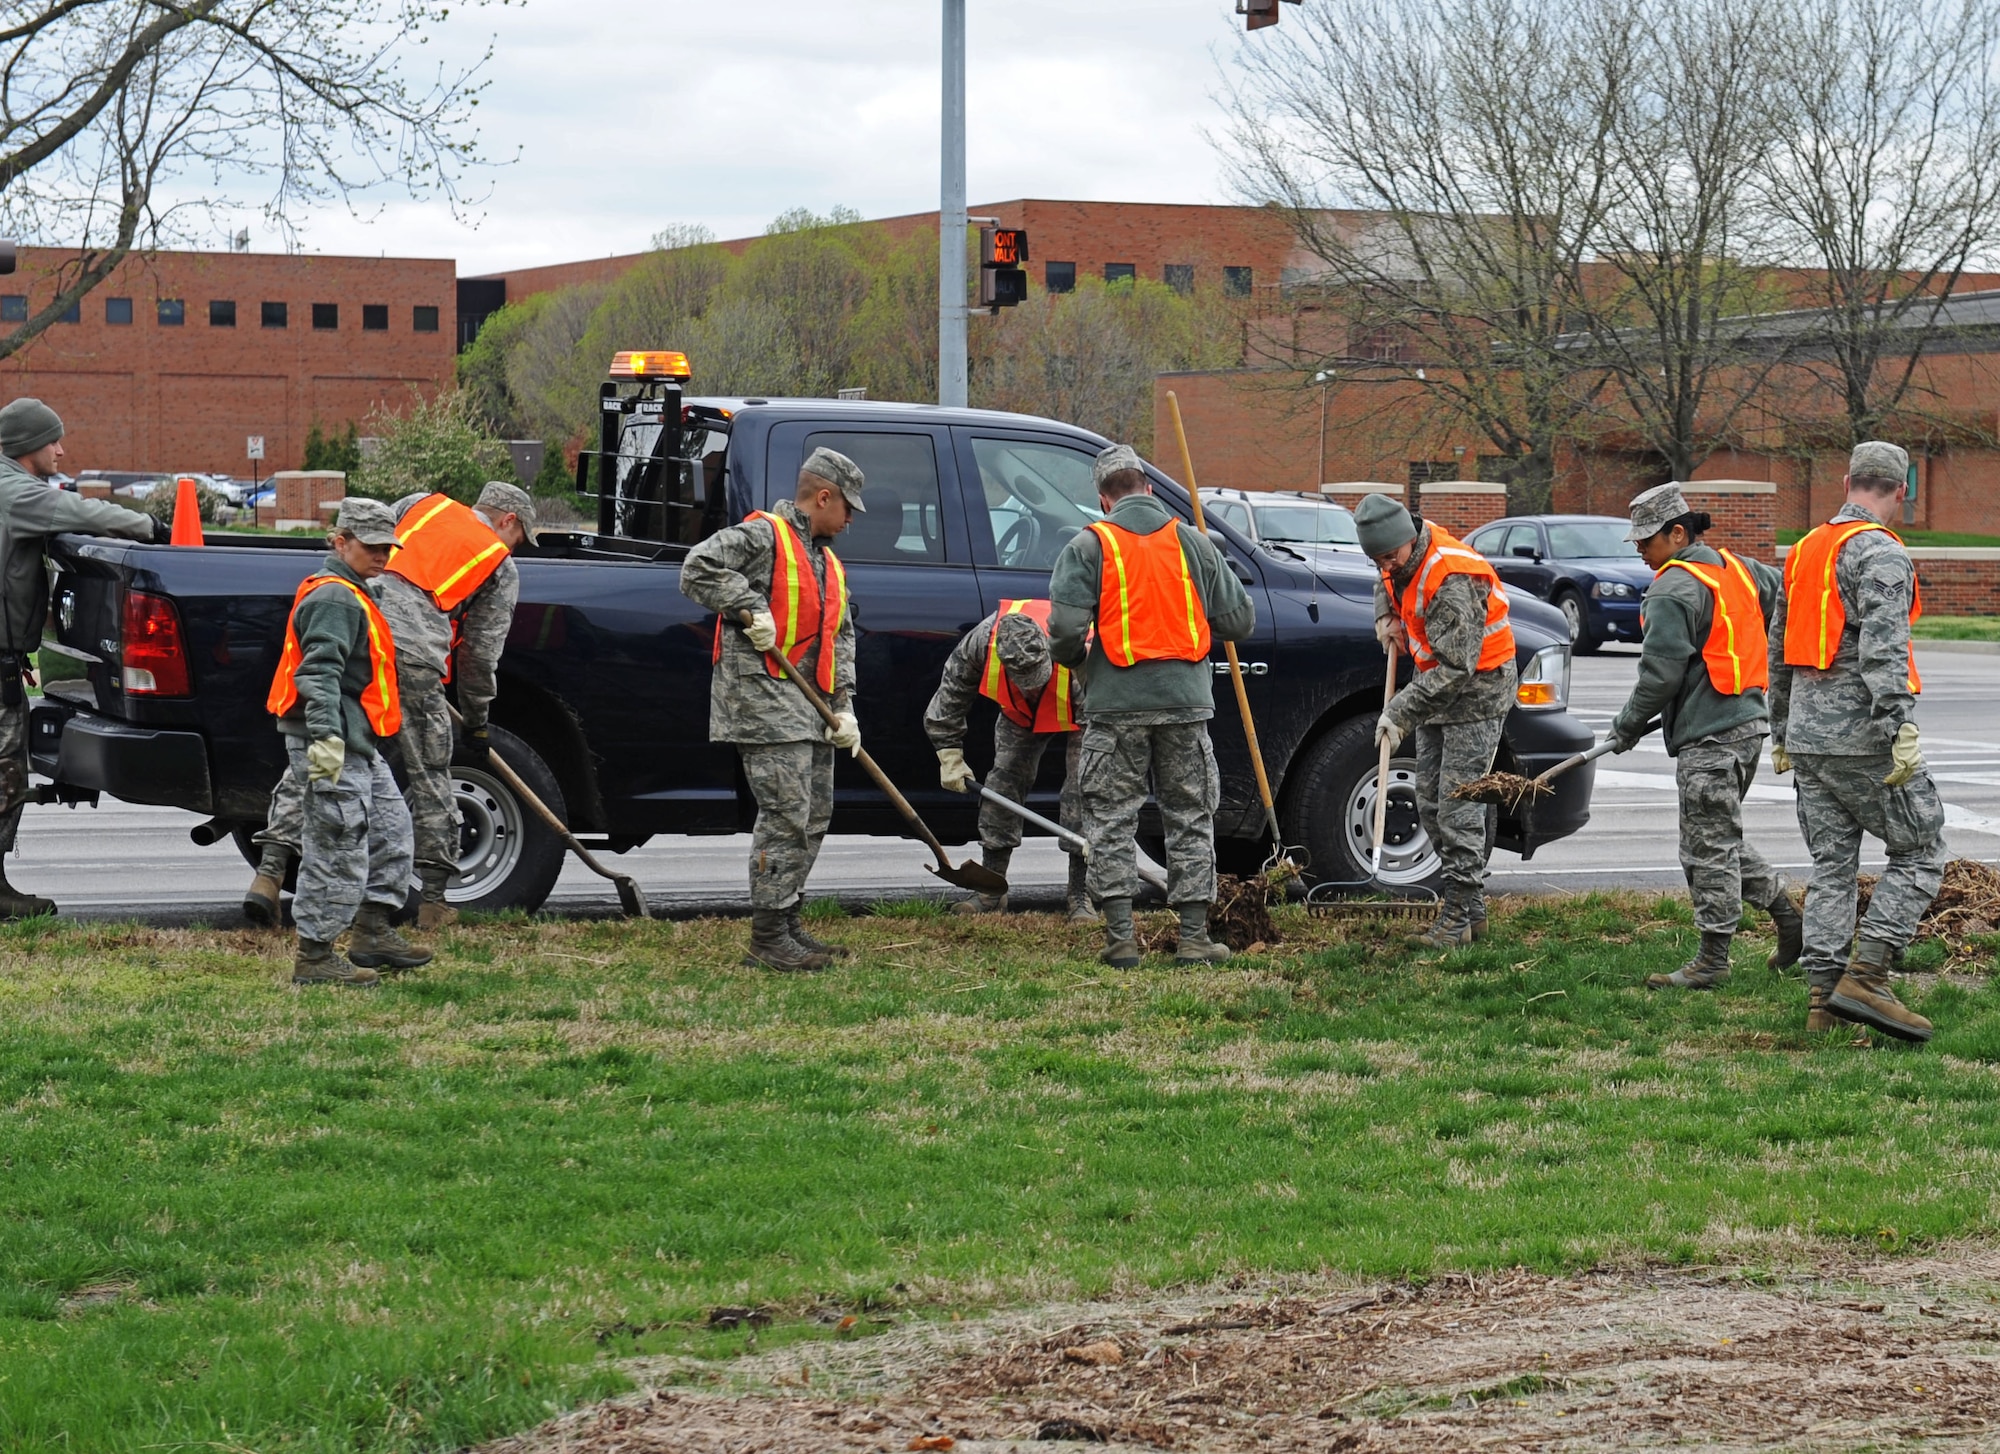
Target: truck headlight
point(1544, 685)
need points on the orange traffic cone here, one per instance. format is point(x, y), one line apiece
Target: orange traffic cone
point(187, 514)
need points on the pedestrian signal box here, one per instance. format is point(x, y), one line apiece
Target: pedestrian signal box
point(1003, 282)
point(1259, 13)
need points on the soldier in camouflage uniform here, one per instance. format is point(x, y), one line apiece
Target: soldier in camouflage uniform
point(1021, 646)
point(1715, 726)
point(786, 749)
point(424, 654)
point(1148, 689)
point(1454, 707)
point(1843, 714)
point(333, 694)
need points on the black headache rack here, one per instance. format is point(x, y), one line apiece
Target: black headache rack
point(660, 466)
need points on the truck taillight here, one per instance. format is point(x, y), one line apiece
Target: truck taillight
point(155, 657)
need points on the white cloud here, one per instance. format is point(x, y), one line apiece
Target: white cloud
point(629, 115)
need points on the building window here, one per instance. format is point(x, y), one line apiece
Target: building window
point(1388, 344)
point(326, 315)
point(424, 318)
point(374, 317)
point(1179, 277)
point(73, 313)
point(1236, 282)
point(274, 315)
point(222, 313)
point(118, 311)
point(1120, 272)
point(173, 312)
point(1059, 277)
point(1432, 471)
point(13, 307)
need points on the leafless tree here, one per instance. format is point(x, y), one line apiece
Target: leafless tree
point(124, 123)
point(1477, 134)
point(1885, 185)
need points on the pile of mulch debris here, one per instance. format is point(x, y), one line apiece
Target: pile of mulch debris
point(1869, 1355)
point(1240, 916)
point(1508, 789)
point(1967, 905)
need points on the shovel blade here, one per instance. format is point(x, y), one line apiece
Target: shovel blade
point(630, 898)
point(974, 876)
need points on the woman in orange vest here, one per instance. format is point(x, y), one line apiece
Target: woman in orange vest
point(334, 695)
point(1005, 659)
point(1702, 672)
point(1441, 602)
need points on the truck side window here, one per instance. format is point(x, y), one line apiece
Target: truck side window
point(902, 524)
point(1037, 497)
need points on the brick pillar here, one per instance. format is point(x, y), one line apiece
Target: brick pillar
point(1744, 513)
point(1462, 506)
point(300, 493)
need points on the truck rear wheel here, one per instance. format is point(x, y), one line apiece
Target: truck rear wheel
point(1331, 810)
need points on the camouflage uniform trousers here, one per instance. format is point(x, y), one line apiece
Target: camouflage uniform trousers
point(1449, 755)
point(13, 772)
point(1017, 757)
point(1113, 764)
point(1840, 798)
point(1723, 872)
point(793, 785)
point(425, 746)
point(357, 844)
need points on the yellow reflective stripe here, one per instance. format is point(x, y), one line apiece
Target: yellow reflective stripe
point(1187, 589)
point(444, 587)
point(1106, 534)
point(832, 606)
point(443, 504)
point(1063, 718)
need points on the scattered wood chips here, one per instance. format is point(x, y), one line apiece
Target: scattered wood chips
point(1240, 916)
point(1508, 789)
point(1967, 905)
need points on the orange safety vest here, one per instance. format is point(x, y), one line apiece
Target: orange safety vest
point(1056, 711)
point(803, 617)
point(1147, 606)
point(1736, 652)
point(380, 701)
point(445, 549)
point(1449, 557)
point(1815, 615)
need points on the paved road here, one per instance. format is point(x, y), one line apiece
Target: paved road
point(119, 861)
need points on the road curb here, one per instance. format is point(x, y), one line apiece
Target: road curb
point(1968, 648)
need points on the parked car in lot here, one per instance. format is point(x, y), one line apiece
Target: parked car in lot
point(1580, 564)
point(1315, 526)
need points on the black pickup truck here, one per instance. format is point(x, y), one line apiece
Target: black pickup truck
point(158, 658)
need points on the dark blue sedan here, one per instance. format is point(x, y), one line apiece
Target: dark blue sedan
point(1580, 564)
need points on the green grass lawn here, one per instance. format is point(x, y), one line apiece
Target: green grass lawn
point(1957, 628)
point(242, 1217)
point(1913, 536)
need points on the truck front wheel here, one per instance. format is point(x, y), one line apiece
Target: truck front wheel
point(507, 857)
point(1331, 810)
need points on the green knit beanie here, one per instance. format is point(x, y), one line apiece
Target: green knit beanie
point(26, 425)
point(1382, 524)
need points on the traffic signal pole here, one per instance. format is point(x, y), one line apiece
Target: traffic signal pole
point(951, 214)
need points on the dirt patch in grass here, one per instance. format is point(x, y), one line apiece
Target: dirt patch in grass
point(1865, 1354)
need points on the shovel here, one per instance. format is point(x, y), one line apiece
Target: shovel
point(1510, 790)
point(630, 899)
point(1082, 843)
point(974, 876)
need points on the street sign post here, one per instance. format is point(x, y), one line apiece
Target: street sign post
point(256, 452)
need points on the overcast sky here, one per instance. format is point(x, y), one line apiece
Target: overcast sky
point(631, 115)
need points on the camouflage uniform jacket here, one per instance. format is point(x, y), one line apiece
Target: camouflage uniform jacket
point(730, 572)
point(31, 510)
point(334, 666)
point(423, 633)
point(1147, 693)
point(1854, 707)
point(945, 718)
point(1454, 690)
point(1679, 612)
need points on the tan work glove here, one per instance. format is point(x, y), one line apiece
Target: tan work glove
point(762, 630)
point(1781, 760)
point(1390, 628)
point(845, 733)
point(1906, 757)
point(953, 774)
point(324, 757)
point(1387, 731)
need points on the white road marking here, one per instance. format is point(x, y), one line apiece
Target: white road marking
point(1963, 819)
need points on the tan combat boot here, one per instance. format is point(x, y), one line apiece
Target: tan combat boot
point(795, 925)
point(260, 900)
point(1791, 928)
point(1121, 942)
point(318, 964)
point(1451, 928)
point(772, 946)
point(375, 944)
point(1076, 898)
point(433, 912)
point(1863, 995)
point(1475, 909)
point(1819, 1019)
point(16, 905)
point(1195, 946)
point(1708, 968)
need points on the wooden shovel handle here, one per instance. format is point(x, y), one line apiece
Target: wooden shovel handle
point(1382, 758)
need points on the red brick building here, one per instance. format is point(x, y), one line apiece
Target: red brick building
point(178, 357)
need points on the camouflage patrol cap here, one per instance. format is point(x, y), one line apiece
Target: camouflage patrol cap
point(1655, 509)
point(840, 472)
point(1877, 459)
point(1382, 524)
point(1024, 651)
point(497, 497)
point(1115, 459)
point(369, 521)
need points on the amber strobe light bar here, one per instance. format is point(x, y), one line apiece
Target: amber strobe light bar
point(650, 363)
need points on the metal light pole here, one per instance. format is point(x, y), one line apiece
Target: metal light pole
point(951, 214)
